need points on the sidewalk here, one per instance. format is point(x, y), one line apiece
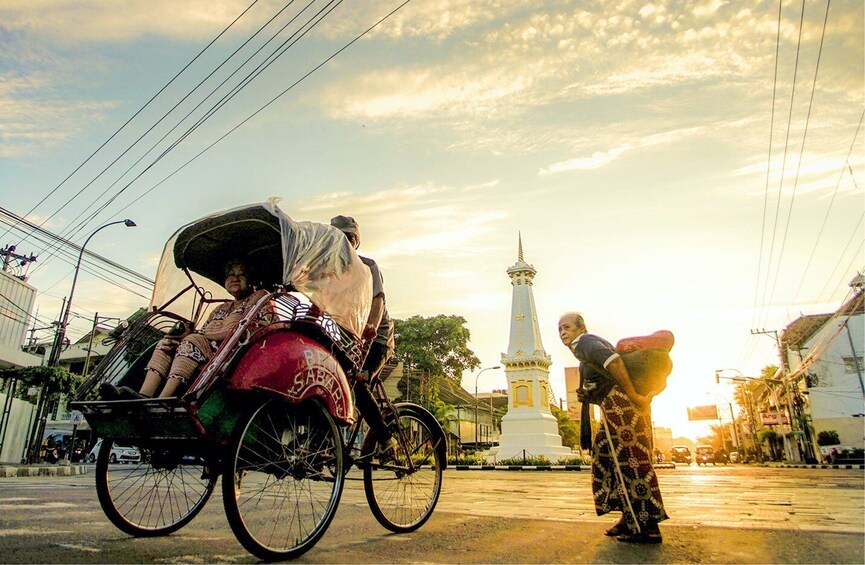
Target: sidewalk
point(8, 470)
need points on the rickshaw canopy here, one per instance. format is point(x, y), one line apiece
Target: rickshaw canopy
point(314, 259)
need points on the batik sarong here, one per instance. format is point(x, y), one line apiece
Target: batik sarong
point(631, 432)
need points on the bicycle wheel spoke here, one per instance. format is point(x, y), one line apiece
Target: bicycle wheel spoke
point(279, 499)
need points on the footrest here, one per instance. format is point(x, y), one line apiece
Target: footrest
point(145, 419)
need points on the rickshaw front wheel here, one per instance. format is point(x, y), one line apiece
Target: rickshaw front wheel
point(283, 478)
point(403, 497)
point(143, 500)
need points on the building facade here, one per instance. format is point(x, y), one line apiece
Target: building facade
point(824, 355)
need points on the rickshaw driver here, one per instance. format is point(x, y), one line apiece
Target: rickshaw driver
point(380, 326)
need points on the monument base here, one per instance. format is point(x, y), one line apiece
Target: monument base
point(528, 434)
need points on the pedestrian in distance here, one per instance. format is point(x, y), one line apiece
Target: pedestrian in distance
point(623, 477)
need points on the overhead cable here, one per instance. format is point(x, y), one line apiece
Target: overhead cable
point(75, 229)
point(801, 156)
point(262, 108)
point(146, 104)
point(210, 112)
point(768, 169)
point(844, 168)
point(783, 163)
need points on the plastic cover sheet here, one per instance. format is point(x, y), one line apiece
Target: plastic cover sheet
point(319, 262)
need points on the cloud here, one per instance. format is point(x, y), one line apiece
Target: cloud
point(597, 160)
point(415, 220)
point(632, 138)
point(103, 22)
point(30, 113)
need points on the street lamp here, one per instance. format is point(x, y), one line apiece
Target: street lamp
point(476, 398)
point(54, 357)
point(61, 333)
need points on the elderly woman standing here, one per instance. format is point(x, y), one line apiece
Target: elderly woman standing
point(176, 360)
point(623, 477)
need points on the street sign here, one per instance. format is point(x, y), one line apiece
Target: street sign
point(76, 417)
point(773, 418)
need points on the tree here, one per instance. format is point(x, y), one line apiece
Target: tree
point(436, 346)
point(567, 427)
point(54, 379)
point(828, 437)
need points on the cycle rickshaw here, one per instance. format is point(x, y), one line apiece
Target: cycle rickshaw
point(272, 411)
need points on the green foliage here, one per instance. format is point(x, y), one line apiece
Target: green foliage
point(527, 460)
point(437, 345)
point(828, 437)
point(767, 434)
point(567, 428)
point(467, 459)
point(575, 460)
point(55, 379)
point(443, 412)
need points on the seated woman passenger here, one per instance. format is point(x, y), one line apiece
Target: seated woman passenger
point(176, 360)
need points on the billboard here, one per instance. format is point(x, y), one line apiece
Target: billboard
point(709, 412)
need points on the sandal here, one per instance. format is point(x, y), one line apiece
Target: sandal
point(619, 529)
point(648, 535)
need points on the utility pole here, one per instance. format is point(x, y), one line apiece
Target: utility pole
point(36, 431)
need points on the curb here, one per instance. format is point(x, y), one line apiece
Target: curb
point(538, 467)
point(822, 466)
point(7, 471)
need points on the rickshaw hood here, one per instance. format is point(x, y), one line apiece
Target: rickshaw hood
point(315, 259)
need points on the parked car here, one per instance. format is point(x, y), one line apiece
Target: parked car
point(119, 454)
point(56, 444)
point(704, 454)
point(680, 454)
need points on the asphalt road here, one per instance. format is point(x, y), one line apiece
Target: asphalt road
point(736, 514)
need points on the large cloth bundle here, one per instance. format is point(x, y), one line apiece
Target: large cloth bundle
point(647, 359)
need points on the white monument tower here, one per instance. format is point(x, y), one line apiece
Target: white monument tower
point(528, 427)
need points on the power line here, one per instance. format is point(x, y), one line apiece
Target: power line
point(73, 230)
point(60, 241)
point(768, 168)
point(844, 168)
point(92, 263)
point(146, 104)
point(801, 155)
point(841, 257)
point(784, 160)
point(262, 108)
point(215, 108)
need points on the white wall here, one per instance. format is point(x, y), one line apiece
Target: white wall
point(838, 394)
point(16, 429)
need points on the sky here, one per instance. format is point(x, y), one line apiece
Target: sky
point(654, 157)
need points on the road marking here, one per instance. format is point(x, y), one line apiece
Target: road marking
point(42, 505)
point(22, 532)
point(80, 547)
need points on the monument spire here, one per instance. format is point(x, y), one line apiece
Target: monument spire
point(529, 426)
point(520, 252)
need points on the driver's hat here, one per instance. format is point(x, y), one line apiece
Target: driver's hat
point(346, 224)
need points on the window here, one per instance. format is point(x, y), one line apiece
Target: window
point(850, 364)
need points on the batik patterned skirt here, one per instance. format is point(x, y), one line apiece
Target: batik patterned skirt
point(631, 432)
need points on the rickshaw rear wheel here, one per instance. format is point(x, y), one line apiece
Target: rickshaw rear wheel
point(402, 500)
point(283, 478)
point(144, 499)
